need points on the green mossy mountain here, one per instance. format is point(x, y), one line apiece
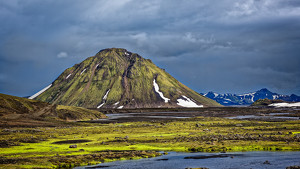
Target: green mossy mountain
point(117, 78)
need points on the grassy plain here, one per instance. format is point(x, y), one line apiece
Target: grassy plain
point(49, 147)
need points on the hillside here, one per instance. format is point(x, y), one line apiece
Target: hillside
point(265, 102)
point(117, 78)
point(17, 111)
point(274, 103)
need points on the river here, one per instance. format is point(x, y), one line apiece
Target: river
point(233, 160)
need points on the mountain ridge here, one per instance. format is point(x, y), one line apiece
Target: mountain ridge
point(117, 78)
point(18, 111)
point(249, 98)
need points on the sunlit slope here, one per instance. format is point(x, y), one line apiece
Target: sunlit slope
point(117, 78)
point(20, 111)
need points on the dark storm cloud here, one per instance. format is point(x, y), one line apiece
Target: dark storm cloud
point(225, 46)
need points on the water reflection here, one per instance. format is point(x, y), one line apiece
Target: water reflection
point(236, 160)
point(266, 116)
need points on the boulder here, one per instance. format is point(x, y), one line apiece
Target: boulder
point(73, 146)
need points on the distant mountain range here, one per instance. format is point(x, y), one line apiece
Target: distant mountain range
point(249, 98)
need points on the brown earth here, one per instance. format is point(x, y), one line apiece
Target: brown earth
point(22, 112)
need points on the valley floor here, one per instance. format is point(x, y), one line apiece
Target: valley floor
point(72, 145)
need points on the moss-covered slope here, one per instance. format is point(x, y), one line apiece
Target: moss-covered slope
point(17, 110)
point(117, 78)
point(265, 102)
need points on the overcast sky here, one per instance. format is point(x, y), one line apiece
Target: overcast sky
point(228, 46)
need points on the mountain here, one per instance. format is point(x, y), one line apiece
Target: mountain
point(249, 98)
point(17, 111)
point(117, 78)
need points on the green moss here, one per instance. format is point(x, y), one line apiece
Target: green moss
point(77, 113)
point(116, 91)
point(16, 111)
point(265, 102)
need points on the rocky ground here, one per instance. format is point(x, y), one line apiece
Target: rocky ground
point(73, 144)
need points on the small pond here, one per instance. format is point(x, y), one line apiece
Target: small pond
point(271, 116)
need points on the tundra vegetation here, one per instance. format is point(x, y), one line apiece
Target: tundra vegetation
point(69, 145)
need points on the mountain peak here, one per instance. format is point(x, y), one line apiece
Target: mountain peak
point(121, 53)
point(211, 94)
point(113, 49)
point(117, 78)
point(263, 90)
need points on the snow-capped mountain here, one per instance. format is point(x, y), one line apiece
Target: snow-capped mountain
point(249, 98)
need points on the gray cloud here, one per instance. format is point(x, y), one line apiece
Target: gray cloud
point(225, 46)
point(62, 55)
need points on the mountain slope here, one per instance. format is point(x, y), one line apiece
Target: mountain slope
point(249, 98)
point(117, 78)
point(21, 111)
point(274, 103)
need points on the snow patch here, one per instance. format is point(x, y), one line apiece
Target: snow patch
point(187, 102)
point(83, 71)
point(248, 94)
point(275, 97)
point(126, 53)
point(216, 94)
point(227, 99)
point(100, 105)
point(156, 87)
point(104, 99)
point(105, 96)
point(285, 104)
point(40, 92)
point(121, 107)
point(116, 103)
point(68, 75)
